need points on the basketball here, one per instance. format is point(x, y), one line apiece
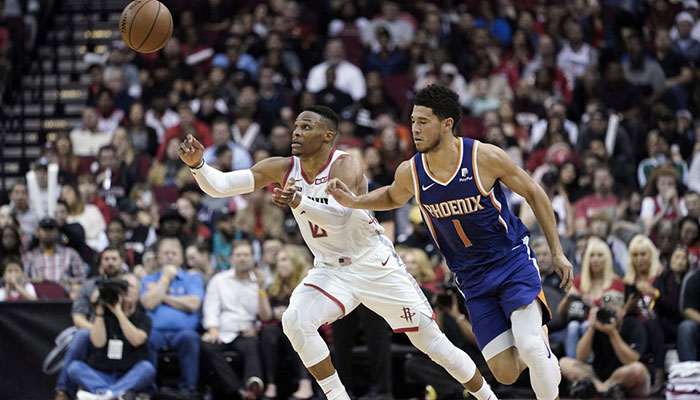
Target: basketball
point(146, 25)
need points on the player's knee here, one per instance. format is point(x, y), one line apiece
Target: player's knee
point(293, 327)
point(530, 346)
point(506, 374)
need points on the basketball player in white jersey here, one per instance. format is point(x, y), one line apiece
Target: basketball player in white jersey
point(353, 262)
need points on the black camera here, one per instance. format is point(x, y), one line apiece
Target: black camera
point(577, 309)
point(604, 315)
point(110, 289)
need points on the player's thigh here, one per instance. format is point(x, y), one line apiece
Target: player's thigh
point(322, 298)
point(522, 287)
point(395, 296)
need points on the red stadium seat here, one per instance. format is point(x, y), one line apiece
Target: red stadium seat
point(471, 127)
point(49, 291)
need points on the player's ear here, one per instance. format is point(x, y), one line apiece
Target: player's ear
point(330, 136)
point(448, 123)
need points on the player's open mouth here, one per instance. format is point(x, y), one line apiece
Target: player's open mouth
point(296, 144)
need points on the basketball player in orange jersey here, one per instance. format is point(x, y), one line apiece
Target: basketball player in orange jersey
point(353, 261)
point(457, 184)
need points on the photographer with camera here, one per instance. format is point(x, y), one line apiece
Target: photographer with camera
point(617, 341)
point(83, 312)
point(117, 363)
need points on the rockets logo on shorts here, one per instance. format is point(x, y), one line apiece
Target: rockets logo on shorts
point(407, 314)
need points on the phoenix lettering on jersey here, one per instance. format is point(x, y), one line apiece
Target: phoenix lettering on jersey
point(450, 208)
point(323, 200)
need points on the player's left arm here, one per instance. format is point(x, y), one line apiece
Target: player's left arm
point(332, 216)
point(495, 165)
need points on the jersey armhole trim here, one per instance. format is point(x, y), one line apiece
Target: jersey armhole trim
point(289, 171)
point(475, 168)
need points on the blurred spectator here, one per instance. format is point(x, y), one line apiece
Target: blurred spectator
point(193, 229)
point(644, 268)
point(576, 56)
point(144, 139)
point(62, 154)
point(53, 262)
point(169, 171)
point(161, 117)
point(222, 136)
point(114, 81)
point(118, 58)
point(198, 257)
point(331, 96)
point(618, 94)
point(661, 201)
point(491, 20)
point(686, 45)
point(10, 242)
point(669, 283)
point(602, 199)
point(234, 301)
point(539, 129)
point(272, 98)
point(349, 78)
point(616, 345)
point(116, 233)
point(250, 220)
point(689, 329)
point(87, 138)
point(109, 116)
point(659, 155)
point(385, 58)
point(72, 234)
point(292, 264)
point(188, 125)
point(112, 372)
point(267, 267)
point(677, 71)
point(114, 179)
point(246, 132)
point(171, 226)
point(597, 277)
point(421, 269)
point(286, 65)
point(689, 233)
point(17, 286)
point(87, 215)
point(21, 209)
point(391, 19)
point(600, 226)
point(172, 298)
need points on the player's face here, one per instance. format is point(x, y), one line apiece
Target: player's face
point(426, 128)
point(308, 135)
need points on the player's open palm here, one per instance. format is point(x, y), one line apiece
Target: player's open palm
point(191, 151)
point(563, 268)
point(340, 192)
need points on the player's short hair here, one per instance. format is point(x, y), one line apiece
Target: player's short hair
point(443, 101)
point(329, 115)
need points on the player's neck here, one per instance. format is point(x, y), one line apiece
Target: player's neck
point(445, 155)
point(311, 165)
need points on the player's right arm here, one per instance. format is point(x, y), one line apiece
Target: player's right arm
point(385, 198)
point(224, 184)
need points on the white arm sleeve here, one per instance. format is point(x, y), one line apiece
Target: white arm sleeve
point(224, 184)
point(331, 217)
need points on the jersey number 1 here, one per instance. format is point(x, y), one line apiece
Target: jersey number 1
point(460, 232)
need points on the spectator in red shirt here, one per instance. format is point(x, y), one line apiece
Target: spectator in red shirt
point(602, 198)
point(188, 125)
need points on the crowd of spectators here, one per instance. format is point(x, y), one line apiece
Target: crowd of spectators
point(598, 100)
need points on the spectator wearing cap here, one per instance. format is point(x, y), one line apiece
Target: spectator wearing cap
point(87, 138)
point(349, 78)
point(677, 71)
point(53, 262)
point(172, 224)
point(686, 45)
point(72, 234)
point(221, 136)
point(19, 206)
point(188, 125)
point(692, 7)
point(617, 344)
point(172, 297)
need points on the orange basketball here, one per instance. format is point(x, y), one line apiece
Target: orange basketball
point(146, 25)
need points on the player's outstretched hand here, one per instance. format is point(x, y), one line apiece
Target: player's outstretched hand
point(563, 268)
point(340, 192)
point(284, 197)
point(191, 151)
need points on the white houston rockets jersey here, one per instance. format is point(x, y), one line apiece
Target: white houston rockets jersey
point(361, 235)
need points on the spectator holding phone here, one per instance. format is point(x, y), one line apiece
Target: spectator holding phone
point(616, 341)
